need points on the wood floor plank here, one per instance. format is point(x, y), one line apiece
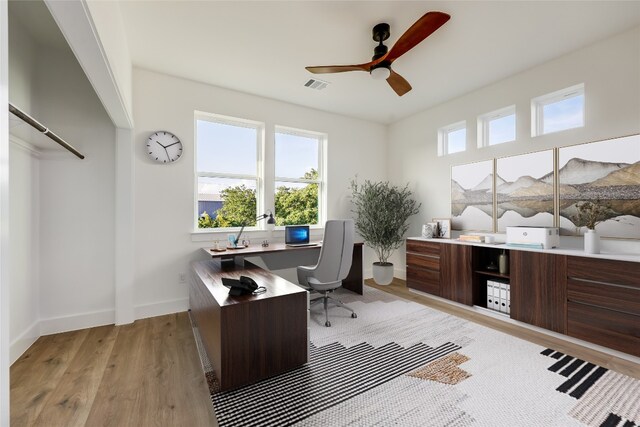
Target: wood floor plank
point(36, 374)
point(71, 401)
point(399, 288)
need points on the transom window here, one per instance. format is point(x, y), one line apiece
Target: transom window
point(452, 138)
point(558, 111)
point(497, 127)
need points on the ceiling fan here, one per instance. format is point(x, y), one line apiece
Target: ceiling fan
point(380, 65)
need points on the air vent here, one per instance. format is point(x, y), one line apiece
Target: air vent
point(316, 84)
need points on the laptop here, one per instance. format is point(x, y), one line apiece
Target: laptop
point(297, 235)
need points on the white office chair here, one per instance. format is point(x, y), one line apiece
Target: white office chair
point(333, 265)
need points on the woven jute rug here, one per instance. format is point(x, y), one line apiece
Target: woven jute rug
point(403, 364)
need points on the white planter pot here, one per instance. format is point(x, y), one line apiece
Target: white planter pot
point(382, 273)
point(591, 242)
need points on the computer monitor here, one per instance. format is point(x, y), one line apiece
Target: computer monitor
point(296, 234)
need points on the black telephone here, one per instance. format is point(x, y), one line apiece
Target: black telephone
point(246, 285)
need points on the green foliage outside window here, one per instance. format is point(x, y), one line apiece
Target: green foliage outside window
point(292, 206)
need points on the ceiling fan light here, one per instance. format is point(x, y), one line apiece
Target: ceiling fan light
point(380, 73)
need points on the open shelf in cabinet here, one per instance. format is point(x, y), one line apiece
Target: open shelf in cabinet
point(483, 259)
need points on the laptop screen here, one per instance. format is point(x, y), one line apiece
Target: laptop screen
point(296, 234)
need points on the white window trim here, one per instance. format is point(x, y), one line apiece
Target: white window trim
point(260, 147)
point(485, 119)
point(443, 140)
point(322, 162)
point(538, 103)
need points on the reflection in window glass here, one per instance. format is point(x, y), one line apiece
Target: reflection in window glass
point(226, 202)
point(565, 114)
point(296, 203)
point(456, 140)
point(502, 129)
point(226, 148)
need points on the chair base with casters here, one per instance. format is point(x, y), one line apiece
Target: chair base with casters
point(325, 298)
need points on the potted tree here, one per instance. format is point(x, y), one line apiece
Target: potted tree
point(382, 211)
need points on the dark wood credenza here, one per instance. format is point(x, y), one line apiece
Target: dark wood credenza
point(593, 299)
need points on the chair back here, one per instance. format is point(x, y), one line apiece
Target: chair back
point(336, 253)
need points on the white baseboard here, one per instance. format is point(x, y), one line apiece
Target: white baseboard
point(161, 308)
point(400, 273)
point(74, 322)
point(23, 342)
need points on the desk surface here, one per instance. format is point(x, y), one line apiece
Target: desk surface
point(257, 249)
point(212, 271)
point(353, 282)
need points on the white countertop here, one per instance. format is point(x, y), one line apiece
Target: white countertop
point(566, 248)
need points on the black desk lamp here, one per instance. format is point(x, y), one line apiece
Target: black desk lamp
point(271, 221)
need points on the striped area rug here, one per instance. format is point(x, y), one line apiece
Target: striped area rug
point(400, 363)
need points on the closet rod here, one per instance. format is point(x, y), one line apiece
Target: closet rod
point(37, 125)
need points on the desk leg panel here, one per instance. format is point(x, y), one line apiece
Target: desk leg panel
point(354, 279)
point(207, 316)
point(263, 339)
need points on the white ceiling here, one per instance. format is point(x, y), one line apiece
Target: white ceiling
point(262, 47)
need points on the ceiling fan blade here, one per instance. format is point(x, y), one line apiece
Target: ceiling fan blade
point(419, 31)
point(338, 68)
point(398, 83)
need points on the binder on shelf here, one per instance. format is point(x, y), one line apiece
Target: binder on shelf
point(508, 298)
point(496, 295)
point(489, 294)
point(503, 298)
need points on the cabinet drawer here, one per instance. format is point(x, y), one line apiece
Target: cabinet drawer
point(424, 280)
point(423, 261)
point(619, 298)
point(605, 271)
point(422, 247)
point(620, 331)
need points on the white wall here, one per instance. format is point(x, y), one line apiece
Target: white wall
point(76, 199)
point(610, 71)
point(165, 193)
point(23, 217)
point(23, 192)
point(4, 214)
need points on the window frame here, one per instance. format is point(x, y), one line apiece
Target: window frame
point(484, 125)
point(258, 177)
point(322, 161)
point(538, 104)
point(443, 137)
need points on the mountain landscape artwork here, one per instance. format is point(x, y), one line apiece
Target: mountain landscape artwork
point(608, 172)
point(525, 190)
point(472, 196)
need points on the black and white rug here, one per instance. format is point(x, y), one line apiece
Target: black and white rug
point(401, 363)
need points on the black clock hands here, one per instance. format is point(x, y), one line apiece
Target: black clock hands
point(172, 144)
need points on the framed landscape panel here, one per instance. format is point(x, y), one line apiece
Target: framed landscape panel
point(605, 171)
point(472, 196)
point(525, 190)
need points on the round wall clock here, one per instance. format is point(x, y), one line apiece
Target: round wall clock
point(164, 147)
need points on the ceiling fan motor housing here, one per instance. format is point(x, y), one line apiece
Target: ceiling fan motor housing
point(381, 32)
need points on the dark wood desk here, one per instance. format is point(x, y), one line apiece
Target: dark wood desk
point(353, 282)
point(249, 337)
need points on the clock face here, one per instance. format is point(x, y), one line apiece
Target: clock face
point(164, 147)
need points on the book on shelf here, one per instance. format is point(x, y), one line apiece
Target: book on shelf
point(471, 238)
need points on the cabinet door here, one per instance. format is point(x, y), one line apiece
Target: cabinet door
point(539, 289)
point(456, 273)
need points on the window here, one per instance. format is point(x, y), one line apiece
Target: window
point(558, 111)
point(298, 176)
point(227, 160)
point(497, 127)
point(452, 138)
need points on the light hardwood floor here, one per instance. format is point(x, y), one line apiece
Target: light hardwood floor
point(144, 374)
point(148, 373)
point(399, 288)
